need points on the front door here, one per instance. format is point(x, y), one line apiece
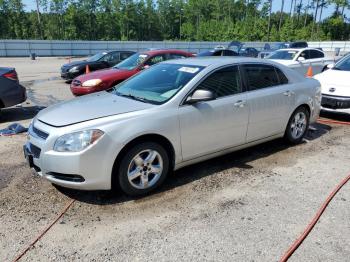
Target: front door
point(208, 127)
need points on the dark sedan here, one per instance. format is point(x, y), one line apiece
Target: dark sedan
point(99, 61)
point(219, 52)
point(11, 92)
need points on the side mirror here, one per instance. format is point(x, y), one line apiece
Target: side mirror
point(301, 59)
point(200, 95)
point(330, 66)
point(144, 67)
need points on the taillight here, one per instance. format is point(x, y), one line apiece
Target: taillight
point(11, 75)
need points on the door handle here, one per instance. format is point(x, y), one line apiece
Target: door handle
point(239, 103)
point(288, 93)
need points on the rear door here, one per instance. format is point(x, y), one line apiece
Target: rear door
point(270, 98)
point(211, 126)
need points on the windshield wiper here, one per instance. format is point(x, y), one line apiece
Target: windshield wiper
point(142, 99)
point(335, 68)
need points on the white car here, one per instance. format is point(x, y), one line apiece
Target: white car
point(335, 86)
point(301, 59)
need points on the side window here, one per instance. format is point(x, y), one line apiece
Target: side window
point(281, 77)
point(155, 59)
point(316, 54)
point(224, 82)
point(230, 53)
point(114, 57)
point(260, 76)
point(305, 54)
point(124, 55)
point(218, 53)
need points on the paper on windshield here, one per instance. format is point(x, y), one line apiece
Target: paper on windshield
point(190, 70)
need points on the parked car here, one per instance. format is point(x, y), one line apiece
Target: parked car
point(335, 86)
point(99, 61)
point(269, 48)
point(105, 79)
point(11, 92)
point(171, 115)
point(243, 50)
point(248, 52)
point(218, 52)
point(297, 44)
point(301, 59)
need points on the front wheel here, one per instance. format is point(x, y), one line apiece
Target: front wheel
point(143, 168)
point(298, 125)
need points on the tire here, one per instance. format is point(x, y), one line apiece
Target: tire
point(136, 175)
point(297, 126)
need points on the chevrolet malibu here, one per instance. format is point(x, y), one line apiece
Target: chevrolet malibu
point(171, 115)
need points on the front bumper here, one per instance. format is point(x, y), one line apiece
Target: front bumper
point(69, 76)
point(335, 102)
point(90, 169)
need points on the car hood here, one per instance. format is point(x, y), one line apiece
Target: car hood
point(89, 107)
point(335, 80)
point(106, 74)
point(75, 63)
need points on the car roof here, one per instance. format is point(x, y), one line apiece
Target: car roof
point(163, 51)
point(217, 61)
point(299, 49)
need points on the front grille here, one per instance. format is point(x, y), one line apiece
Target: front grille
point(64, 69)
point(76, 82)
point(34, 150)
point(39, 133)
point(334, 102)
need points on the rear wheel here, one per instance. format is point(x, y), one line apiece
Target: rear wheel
point(143, 168)
point(297, 126)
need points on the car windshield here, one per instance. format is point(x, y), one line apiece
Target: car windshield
point(132, 62)
point(283, 55)
point(343, 64)
point(96, 57)
point(157, 84)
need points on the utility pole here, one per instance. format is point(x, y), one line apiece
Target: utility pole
point(269, 25)
point(39, 20)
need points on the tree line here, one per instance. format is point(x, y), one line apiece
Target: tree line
point(187, 20)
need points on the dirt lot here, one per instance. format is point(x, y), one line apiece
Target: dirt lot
point(246, 206)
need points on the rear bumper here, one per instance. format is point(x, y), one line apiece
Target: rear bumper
point(17, 96)
point(335, 102)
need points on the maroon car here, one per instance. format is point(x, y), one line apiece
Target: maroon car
point(105, 79)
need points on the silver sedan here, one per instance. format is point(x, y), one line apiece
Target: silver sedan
point(173, 114)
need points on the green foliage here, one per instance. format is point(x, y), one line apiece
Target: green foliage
point(190, 20)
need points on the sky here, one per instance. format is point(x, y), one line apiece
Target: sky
point(276, 6)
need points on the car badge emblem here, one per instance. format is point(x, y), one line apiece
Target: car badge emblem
point(332, 89)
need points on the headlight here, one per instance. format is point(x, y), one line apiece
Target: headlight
point(74, 69)
point(77, 141)
point(92, 82)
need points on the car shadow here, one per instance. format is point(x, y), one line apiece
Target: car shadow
point(239, 159)
point(338, 116)
point(19, 113)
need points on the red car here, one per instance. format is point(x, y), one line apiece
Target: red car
point(105, 79)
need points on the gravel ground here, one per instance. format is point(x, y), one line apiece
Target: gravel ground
point(246, 206)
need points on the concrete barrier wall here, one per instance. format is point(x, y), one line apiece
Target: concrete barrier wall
point(83, 48)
